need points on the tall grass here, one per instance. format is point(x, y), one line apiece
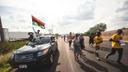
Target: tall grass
point(6, 49)
point(4, 65)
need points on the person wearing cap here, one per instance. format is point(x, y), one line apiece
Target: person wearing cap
point(97, 41)
point(116, 45)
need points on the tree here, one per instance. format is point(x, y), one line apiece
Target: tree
point(101, 27)
point(85, 34)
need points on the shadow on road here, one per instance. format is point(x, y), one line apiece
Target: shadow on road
point(44, 68)
point(85, 68)
point(89, 51)
point(53, 68)
point(102, 49)
point(94, 64)
point(122, 67)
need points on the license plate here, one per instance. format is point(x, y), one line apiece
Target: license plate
point(22, 66)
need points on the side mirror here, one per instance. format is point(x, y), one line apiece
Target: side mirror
point(51, 43)
point(53, 40)
point(26, 43)
point(32, 45)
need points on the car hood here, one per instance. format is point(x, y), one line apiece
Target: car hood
point(29, 49)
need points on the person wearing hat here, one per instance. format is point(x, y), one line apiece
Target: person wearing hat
point(97, 41)
point(116, 45)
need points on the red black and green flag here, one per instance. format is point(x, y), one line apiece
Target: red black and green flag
point(37, 22)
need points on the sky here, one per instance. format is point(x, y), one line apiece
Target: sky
point(63, 16)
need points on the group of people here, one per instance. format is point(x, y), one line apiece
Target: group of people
point(31, 35)
point(95, 41)
point(77, 41)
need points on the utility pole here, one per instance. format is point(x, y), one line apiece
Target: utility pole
point(52, 28)
point(1, 32)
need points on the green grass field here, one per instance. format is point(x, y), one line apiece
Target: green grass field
point(6, 49)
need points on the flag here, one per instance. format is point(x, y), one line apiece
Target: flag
point(37, 22)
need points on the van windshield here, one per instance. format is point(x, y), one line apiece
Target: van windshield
point(40, 40)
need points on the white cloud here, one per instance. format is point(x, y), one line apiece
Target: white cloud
point(64, 15)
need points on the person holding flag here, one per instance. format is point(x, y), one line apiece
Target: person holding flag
point(39, 23)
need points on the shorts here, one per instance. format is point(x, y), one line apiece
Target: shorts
point(77, 50)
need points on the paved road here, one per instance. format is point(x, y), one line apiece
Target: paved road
point(65, 61)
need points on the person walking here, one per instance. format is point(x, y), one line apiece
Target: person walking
point(70, 37)
point(64, 37)
point(82, 46)
point(97, 41)
point(82, 41)
point(116, 45)
point(77, 48)
point(91, 39)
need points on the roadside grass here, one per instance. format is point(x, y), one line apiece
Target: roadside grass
point(6, 49)
point(5, 68)
point(4, 65)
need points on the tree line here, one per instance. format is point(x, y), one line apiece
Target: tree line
point(101, 27)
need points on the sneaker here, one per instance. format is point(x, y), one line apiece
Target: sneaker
point(98, 58)
point(119, 62)
point(106, 56)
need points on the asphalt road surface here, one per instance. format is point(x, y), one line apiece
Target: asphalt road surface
point(64, 61)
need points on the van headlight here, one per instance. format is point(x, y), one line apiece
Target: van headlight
point(43, 52)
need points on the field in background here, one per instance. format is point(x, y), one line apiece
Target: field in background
point(107, 35)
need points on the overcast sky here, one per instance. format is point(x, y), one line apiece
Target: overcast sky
point(63, 16)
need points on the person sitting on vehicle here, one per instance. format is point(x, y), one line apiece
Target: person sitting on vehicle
point(31, 36)
point(37, 33)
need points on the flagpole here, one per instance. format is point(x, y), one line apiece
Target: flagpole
point(34, 30)
point(33, 27)
point(38, 23)
point(52, 28)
